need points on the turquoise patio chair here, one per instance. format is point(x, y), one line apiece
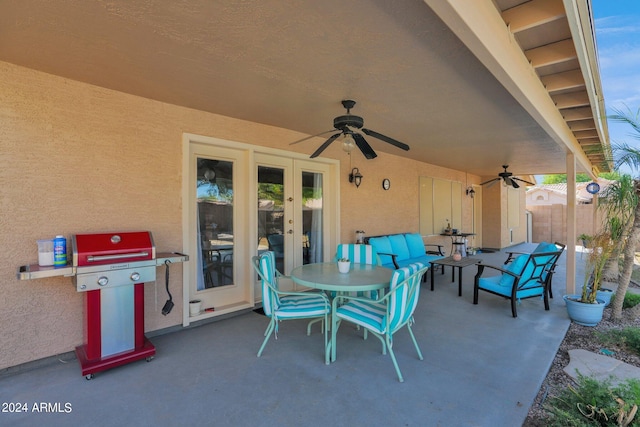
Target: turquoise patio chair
point(359, 254)
point(281, 305)
point(385, 316)
point(528, 276)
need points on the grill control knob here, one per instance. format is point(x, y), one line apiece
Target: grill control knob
point(103, 281)
point(135, 276)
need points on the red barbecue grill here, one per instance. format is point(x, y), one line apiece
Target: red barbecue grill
point(111, 270)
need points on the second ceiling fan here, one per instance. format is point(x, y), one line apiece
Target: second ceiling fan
point(508, 179)
point(348, 125)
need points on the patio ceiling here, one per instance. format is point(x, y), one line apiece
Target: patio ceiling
point(422, 72)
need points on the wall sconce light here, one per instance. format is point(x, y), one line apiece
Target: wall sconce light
point(471, 192)
point(356, 177)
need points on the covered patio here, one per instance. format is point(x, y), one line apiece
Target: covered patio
point(481, 367)
point(106, 104)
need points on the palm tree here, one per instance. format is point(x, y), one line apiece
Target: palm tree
point(618, 202)
point(630, 156)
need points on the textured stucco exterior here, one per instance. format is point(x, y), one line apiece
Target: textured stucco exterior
point(78, 158)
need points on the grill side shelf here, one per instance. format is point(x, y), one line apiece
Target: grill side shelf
point(172, 257)
point(34, 271)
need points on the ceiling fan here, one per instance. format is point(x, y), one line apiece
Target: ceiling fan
point(507, 178)
point(347, 125)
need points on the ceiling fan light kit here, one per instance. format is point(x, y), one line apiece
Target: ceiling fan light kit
point(348, 125)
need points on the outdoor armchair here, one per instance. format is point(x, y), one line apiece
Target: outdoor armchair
point(541, 246)
point(385, 316)
point(280, 305)
point(528, 276)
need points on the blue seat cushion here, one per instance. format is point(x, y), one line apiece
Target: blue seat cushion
point(371, 315)
point(415, 245)
point(383, 245)
point(299, 306)
point(399, 247)
point(493, 284)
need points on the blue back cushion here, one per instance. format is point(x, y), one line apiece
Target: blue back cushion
point(415, 244)
point(544, 247)
point(515, 267)
point(382, 245)
point(399, 246)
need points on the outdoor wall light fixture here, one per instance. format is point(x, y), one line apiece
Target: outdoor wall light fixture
point(356, 177)
point(593, 188)
point(471, 192)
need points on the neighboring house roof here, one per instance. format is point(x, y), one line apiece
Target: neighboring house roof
point(582, 195)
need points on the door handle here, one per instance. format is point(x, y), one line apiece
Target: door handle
point(290, 232)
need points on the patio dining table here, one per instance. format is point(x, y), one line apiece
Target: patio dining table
point(325, 276)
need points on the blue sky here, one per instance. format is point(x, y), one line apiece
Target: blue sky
point(617, 24)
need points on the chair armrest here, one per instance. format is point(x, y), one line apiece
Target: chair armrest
point(482, 266)
point(393, 258)
point(434, 252)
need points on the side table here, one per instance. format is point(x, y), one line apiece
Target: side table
point(464, 262)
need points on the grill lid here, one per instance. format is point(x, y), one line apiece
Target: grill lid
point(107, 248)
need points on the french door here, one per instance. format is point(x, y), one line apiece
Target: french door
point(239, 203)
point(291, 211)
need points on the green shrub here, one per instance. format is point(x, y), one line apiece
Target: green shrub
point(595, 403)
point(630, 300)
point(628, 337)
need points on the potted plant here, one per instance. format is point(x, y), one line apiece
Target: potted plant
point(585, 239)
point(587, 308)
point(343, 265)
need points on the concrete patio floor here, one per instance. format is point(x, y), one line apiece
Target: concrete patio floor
point(481, 367)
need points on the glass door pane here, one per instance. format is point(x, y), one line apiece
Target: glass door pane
point(214, 197)
point(312, 217)
point(271, 215)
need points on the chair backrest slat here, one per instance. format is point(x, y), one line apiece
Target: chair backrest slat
point(404, 291)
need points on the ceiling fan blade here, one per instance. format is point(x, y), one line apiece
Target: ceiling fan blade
point(512, 183)
point(386, 139)
point(364, 146)
point(325, 145)
point(526, 182)
point(312, 136)
point(490, 181)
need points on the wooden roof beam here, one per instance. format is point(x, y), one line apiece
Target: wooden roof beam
point(552, 53)
point(571, 100)
point(580, 113)
point(586, 134)
point(563, 81)
point(582, 125)
point(533, 14)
